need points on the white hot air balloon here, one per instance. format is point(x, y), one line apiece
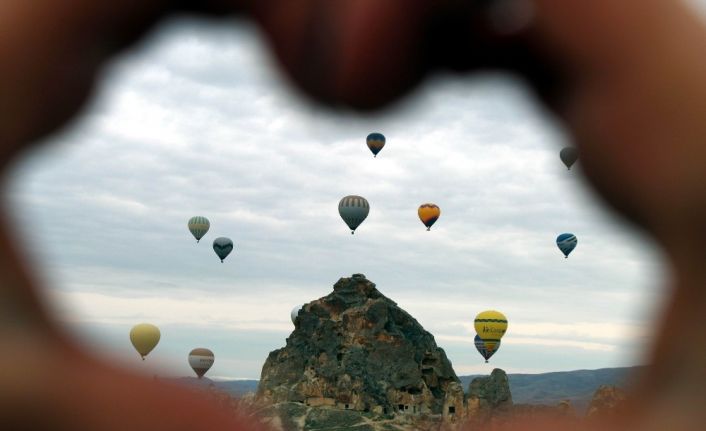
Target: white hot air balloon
point(295, 313)
point(201, 360)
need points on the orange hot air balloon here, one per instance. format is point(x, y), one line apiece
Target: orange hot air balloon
point(428, 214)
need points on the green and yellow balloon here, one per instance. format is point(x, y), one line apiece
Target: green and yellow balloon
point(198, 226)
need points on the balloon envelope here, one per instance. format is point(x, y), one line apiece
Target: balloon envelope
point(490, 326)
point(375, 142)
point(222, 246)
point(483, 350)
point(295, 313)
point(198, 226)
point(201, 360)
point(144, 337)
point(353, 210)
point(569, 155)
point(566, 243)
point(428, 214)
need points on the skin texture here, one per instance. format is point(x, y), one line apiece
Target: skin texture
point(627, 79)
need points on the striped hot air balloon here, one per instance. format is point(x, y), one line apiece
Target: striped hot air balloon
point(201, 360)
point(484, 351)
point(428, 214)
point(222, 246)
point(566, 243)
point(353, 210)
point(490, 326)
point(198, 226)
point(375, 142)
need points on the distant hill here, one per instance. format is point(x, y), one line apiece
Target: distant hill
point(237, 388)
point(551, 388)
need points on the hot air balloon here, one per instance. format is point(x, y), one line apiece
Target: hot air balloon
point(375, 142)
point(201, 360)
point(144, 338)
point(569, 155)
point(353, 210)
point(428, 214)
point(566, 243)
point(295, 313)
point(490, 326)
point(484, 351)
point(198, 226)
point(222, 246)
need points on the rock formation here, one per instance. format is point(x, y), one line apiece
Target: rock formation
point(357, 361)
point(489, 396)
point(607, 400)
point(356, 349)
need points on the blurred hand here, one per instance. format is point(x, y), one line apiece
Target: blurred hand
point(625, 76)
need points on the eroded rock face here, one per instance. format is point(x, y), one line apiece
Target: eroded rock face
point(356, 349)
point(489, 396)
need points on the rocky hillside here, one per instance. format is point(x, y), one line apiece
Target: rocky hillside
point(355, 349)
point(489, 403)
point(546, 388)
point(576, 386)
point(290, 416)
point(357, 361)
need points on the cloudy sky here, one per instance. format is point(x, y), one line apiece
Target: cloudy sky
point(197, 121)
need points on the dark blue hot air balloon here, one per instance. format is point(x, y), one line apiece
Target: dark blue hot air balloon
point(375, 142)
point(566, 243)
point(569, 155)
point(222, 246)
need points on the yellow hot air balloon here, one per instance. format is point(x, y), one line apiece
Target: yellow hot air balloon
point(490, 326)
point(144, 338)
point(428, 214)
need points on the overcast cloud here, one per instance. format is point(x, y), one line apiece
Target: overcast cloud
point(196, 121)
